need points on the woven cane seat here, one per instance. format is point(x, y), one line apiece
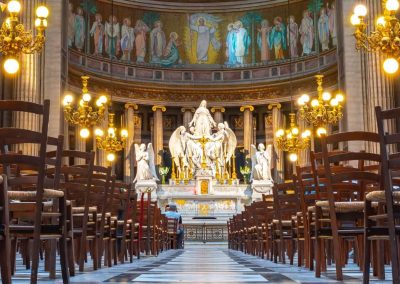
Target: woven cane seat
point(379, 196)
point(31, 195)
point(343, 207)
point(76, 210)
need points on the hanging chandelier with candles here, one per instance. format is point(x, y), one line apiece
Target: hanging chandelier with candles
point(291, 141)
point(322, 110)
point(86, 114)
point(16, 40)
point(386, 36)
point(110, 142)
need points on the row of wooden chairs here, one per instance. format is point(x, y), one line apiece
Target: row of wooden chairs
point(79, 211)
point(345, 203)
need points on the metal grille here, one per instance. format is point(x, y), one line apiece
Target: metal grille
point(206, 233)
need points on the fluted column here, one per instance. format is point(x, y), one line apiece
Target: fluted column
point(247, 127)
point(28, 85)
point(129, 149)
point(218, 114)
point(304, 155)
point(80, 144)
point(269, 135)
point(101, 155)
point(187, 115)
point(277, 123)
point(158, 134)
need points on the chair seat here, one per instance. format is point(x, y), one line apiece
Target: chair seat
point(343, 207)
point(31, 195)
point(284, 222)
point(92, 209)
point(379, 196)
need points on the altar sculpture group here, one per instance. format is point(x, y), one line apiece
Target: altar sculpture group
point(206, 146)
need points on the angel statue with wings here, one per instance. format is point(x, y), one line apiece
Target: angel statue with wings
point(146, 169)
point(261, 163)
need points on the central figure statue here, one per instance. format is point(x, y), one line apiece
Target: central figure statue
point(202, 121)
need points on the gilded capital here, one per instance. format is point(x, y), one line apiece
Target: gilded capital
point(185, 109)
point(217, 109)
point(162, 108)
point(249, 107)
point(274, 105)
point(131, 105)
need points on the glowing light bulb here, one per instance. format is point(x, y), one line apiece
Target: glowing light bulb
point(124, 133)
point(280, 133)
point(339, 98)
point(86, 97)
point(321, 131)
point(14, 6)
point(390, 65)
point(81, 103)
point(38, 22)
point(334, 103)
point(295, 131)
point(326, 96)
point(42, 12)
point(314, 103)
point(355, 20)
point(99, 103)
point(380, 21)
point(360, 10)
point(98, 132)
point(306, 98)
point(306, 134)
point(11, 65)
point(293, 157)
point(84, 133)
point(103, 99)
point(300, 102)
point(111, 157)
point(392, 5)
point(68, 99)
point(111, 131)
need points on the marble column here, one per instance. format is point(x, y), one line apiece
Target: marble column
point(277, 123)
point(158, 133)
point(218, 114)
point(247, 127)
point(304, 155)
point(187, 116)
point(80, 144)
point(269, 135)
point(129, 148)
point(101, 155)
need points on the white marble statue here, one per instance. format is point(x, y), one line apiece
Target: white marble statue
point(202, 120)
point(146, 170)
point(261, 163)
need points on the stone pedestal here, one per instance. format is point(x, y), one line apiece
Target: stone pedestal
point(145, 186)
point(261, 187)
point(204, 182)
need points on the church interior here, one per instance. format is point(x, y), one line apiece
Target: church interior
point(199, 141)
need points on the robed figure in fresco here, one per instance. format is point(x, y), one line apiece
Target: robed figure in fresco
point(277, 38)
point(307, 33)
point(323, 29)
point(141, 29)
point(157, 42)
point(171, 52)
point(205, 36)
point(127, 39)
point(112, 28)
point(242, 42)
point(79, 29)
point(292, 36)
point(97, 32)
point(263, 40)
point(230, 45)
point(71, 24)
point(331, 12)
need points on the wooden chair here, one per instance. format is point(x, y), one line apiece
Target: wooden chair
point(346, 186)
point(172, 227)
point(32, 188)
point(384, 224)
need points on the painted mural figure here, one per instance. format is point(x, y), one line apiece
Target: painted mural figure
point(277, 38)
point(230, 45)
point(141, 29)
point(242, 42)
point(171, 52)
point(127, 39)
point(263, 40)
point(307, 33)
point(79, 29)
point(97, 32)
point(112, 28)
point(71, 24)
point(332, 25)
point(205, 36)
point(292, 36)
point(323, 29)
point(157, 42)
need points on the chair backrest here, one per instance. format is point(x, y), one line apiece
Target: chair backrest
point(346, 181)
point(308, 189)
point(286, 200)
point(172, 225)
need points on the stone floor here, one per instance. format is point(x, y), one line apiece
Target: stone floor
point(199, 263)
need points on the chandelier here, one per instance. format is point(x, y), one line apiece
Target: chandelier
point(15, 40)
point(291, 141)
point(111, 143)
point(85, 114)
point(322, 110)
point(385, 38)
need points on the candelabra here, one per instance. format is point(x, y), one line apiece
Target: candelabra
point(84, 114)
point(385, 38)
point(292, 142)
point(111, 143)
point(16, 40)
point(322, 110)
